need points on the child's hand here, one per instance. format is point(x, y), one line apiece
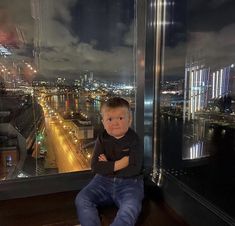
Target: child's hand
point(103, 158)
point(121, 163)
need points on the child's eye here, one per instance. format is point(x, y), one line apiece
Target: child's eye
point(110, 119)
point(121, 118)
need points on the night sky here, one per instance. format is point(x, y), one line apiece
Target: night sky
point(97, 35)
point(103, 23)
point(77, 36)
point(201, 30)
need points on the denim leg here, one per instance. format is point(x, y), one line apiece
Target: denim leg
point(129, 194)
point(94, 194)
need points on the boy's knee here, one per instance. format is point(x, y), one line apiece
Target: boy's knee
point(77, 200)
point(80, 199)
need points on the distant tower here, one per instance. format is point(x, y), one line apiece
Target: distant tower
point(90, 79)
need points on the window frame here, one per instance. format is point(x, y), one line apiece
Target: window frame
point(61, 182)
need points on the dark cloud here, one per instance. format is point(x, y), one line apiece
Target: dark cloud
point(216, 49)
point(63, 49)
point(208, 36)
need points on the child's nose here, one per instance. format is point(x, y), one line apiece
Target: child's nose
point(115, 121)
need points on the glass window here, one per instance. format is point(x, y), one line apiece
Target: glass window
point(58, 60)
point(197, 98)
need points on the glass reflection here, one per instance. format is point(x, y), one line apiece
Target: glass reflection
point(197, 98)
point(58, 60)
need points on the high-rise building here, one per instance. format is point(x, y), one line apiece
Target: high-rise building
point(202, 86)
point(195, 88)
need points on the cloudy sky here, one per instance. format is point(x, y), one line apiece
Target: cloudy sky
point(201, 30)
point(75, 35)
point(97, 35)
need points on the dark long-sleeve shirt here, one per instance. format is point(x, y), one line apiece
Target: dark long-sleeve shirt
point(114, 149)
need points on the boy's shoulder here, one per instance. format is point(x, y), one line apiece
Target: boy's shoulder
point(132, 134)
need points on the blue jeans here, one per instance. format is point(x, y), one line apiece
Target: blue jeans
point(127, 194)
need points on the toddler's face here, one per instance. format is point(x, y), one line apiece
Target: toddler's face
point(116, 121)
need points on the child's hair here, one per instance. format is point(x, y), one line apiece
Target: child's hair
point(115, 102)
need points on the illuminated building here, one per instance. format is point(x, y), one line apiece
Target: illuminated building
point(203, 85)
point(60, 81)
point(195, 89)
point(219, 81)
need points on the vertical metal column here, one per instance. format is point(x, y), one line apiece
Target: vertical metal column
point(139, 55)
point(154, 66)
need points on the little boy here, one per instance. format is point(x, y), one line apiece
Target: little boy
point(117, 162)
